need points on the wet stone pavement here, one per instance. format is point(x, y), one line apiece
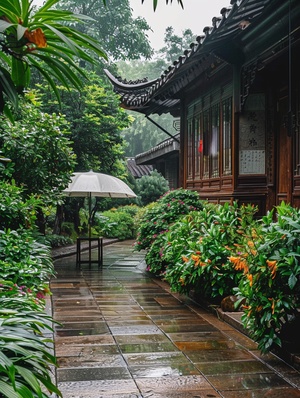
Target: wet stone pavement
point(125, 335)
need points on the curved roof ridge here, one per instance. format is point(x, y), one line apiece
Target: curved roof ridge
point(150, 94)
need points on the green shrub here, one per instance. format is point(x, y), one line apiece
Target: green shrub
point(204, 265)
point(14, 211)
point(58, 240)
point(151, 187)
point(25, 269)
point(270, 260)
point(25, 355)
point(158, 217)
point(24, 261)
point(132, 209)
point(68, 229)
point(115, 224)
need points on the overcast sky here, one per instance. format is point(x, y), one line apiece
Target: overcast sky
point(196, 15)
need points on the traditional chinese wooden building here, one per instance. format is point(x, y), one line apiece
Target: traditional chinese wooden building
point(237, 93)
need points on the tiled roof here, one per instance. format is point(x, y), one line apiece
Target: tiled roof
point(138, 171)
point(162, 94)
point(166, 147)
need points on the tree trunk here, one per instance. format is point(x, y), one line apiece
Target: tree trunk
point(41, 222)
point(59, 217)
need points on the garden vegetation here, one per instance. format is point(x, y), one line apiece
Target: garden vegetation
point(213, 251)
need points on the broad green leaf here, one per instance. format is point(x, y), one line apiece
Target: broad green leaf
point(8, 391)
point(8, 86)
point(30, 379)
point(20, 74)
point(292, 281)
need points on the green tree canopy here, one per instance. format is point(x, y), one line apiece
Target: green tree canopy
point(112, 24)
point(40, 150)
point(175, 45)
point(96, 121)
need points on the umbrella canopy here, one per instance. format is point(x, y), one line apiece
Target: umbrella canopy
point(98, 184)
point(88, 184)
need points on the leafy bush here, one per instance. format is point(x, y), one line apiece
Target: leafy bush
point(270, 261)
point(158, 217)
point(25, 356)
point(25, 269)
point(115, 224)
point(68, 229)
point(197, 248)
point(14, 211)
point(24, 261)
point(132, 210)
point(169, 246)
point(151, 187)
point(58, 240)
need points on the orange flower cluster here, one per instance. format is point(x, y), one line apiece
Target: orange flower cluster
point(240, 264)
point(182, 281)
point(197, 261)
point(36, 37)
point(273, 267)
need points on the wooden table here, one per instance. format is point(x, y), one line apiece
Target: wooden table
point(98, 246)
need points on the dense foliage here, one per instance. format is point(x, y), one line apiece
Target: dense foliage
point(112, 24)
point(26, 360)
point(95, 121)
point(39, 39)
point(151, 187)
point(270, 261)
point(222, 250)
point(115, 224)
point(157, 219)
point(39, 147)
point(16, 212)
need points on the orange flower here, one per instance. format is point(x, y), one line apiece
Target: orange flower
point(184, 259)
point(239, 263)
point(36, 37)
point(250, 279)
point(273, 305)
point(182, 281)
point(273, 267)
point(250, 243)
point(196, 259)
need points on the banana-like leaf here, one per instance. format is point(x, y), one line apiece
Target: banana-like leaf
point(20, 74)
point(30, 378)
point(8, 87)
point(8, 391)
point(50, 39)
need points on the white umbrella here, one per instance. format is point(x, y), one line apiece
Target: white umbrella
point(90, 184)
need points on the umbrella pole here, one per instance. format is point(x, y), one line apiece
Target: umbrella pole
point(90, 214)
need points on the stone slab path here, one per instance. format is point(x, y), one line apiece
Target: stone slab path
point(125, 335)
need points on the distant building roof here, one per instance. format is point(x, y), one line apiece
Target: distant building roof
point(138, 171)
point(163, 149)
